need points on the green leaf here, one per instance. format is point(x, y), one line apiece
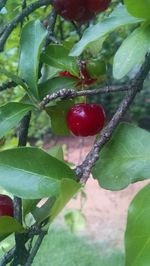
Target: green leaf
point(14, 78)
point(131, 52)
point(125, 159)
point(113, 22)
point(57, 152)
point(40, 213)
point(32, 37)
point(138, 8)
point(9, 225)
point(57, 115)
point(68, 189)
point(75, 220)
point(31, 173)
point(55, 84)
point(11, 114)
point(58, 56)
point(54, 205)
point(96, 68)
point(29, 205)
point(137, 236)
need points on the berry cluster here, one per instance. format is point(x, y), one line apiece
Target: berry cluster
point(80, 10)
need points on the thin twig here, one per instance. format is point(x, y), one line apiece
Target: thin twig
point(26, 12)
point(35, 248)
point(51, 25)
point(50, 36)
point(83, 171)
point(70, 93)
point(2, 3)
point(24, 4)
point(7, 257)
point(7, 85)
point(21, 253)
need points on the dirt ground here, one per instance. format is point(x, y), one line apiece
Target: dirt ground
point(105, 211)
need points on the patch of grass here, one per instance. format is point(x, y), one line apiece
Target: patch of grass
point(61, 248)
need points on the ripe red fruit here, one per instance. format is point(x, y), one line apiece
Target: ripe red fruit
point(84, 78)
point(85, 119)
point(67, 74)
point(6, 206)
point(97, 5)
point(80, 10)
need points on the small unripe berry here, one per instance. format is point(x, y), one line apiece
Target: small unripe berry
point(6, 206)
point(85, 119)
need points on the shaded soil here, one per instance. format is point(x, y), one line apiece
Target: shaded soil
point(105, 211)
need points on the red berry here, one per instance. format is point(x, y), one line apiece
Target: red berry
point(84, 78)
point(97, 5)
point(67, 74)
point(70, 9)
point(85, 119)
point(80, 10)
point(6, 206)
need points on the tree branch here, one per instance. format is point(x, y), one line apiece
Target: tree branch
point(70, 93)
point(83, 171)
point(7, 85)
point(21, 253)
point(7, 257)
point(26, 12)
point(2, 3)
point(35, 248)
point(51, 25)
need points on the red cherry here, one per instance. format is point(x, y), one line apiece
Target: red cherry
point(6, 206)
point(85, 119)
point(71, 10)
point(97, 5)
point(79, 10)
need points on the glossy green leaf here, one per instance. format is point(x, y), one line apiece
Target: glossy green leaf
point(54, 205)
point(55, 84)
point(9, 225)
point(114, 21)
point(58, 56)
point(32, 37)
point(57, 115)
point(138, 8)
point(31, 173)
point(10, 115)
point(68, 189)
point(57, 152)
point(14, 78)
point(125, 159)
point(137, 236)
point(29, 205)
point(40, 213)
point(131, 52)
